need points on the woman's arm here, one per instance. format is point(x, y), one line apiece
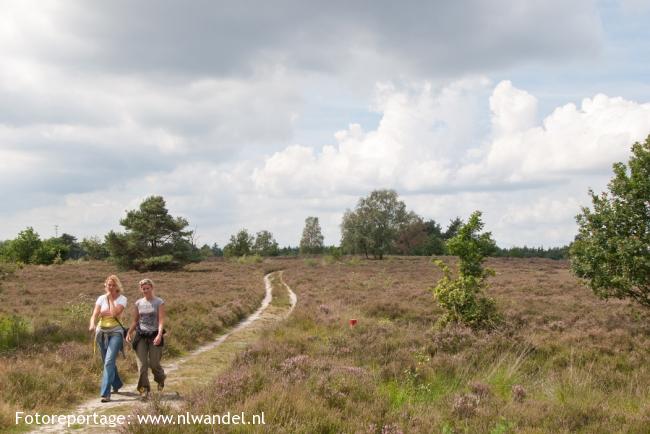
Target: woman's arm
point(91, 326)
point(134, 323)
point(114, 309)
point(161, 324)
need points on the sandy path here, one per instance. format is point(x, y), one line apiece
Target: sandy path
point(198, 367)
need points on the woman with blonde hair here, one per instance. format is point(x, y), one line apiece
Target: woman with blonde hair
point(148, 324)
point(109, 333)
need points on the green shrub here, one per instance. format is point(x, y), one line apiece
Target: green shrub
point(310, 262)
point(14, 330)
point(353, 260)
point(334, 255)
point(49, 252)
point(249, 259)
point(157, 263)
point(462, 298)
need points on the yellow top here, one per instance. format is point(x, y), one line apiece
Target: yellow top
point(108, 322)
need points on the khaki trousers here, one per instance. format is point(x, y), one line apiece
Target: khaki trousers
point(149, 357)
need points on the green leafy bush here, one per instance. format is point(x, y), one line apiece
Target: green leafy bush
point(462, 297)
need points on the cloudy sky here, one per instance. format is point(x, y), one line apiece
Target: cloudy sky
point(259, 114)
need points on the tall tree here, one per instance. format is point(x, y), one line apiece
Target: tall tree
point(265, 244)
point(452, 229)
point(412, 239)
point(375, 223)
point(74, 248)
point(216, 250)
point(153, 239)
point(95, 248)
point(152, 225)
point(612, 248)
point(312, 237)
point(420, 238)
point(240, 244)
point(435, 244)
point(355, 234)
point(24, 246)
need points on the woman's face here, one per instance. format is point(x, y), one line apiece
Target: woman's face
point(146, 289)
point(111, 287)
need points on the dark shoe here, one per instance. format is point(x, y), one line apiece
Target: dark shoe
point(161, 385)
point(144, 393)
point(116, 390)
point(106, 399)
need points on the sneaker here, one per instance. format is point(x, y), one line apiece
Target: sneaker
point(106, 399)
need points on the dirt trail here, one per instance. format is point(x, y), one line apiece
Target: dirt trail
point(200, 366)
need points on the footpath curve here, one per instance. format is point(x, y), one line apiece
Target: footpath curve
point(198, 367)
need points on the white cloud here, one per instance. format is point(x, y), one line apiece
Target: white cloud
point(570, 140)
point(513, 110)
point(525, 173)
point(423, 133)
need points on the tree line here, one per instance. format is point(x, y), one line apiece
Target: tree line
point(154, 240)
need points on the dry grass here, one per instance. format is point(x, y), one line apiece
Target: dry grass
point(564, 361)
point(53, 366)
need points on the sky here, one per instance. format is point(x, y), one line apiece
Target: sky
point(259, 114)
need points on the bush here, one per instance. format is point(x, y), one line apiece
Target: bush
point(249, 259)
point(13, 331)
point(48, 252)
point(462, 298)
point(156, 263)
point(335, 253)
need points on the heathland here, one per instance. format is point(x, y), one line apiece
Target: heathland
point(562, 360)
point(45, 310)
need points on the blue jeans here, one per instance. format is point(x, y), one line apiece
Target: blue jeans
point(110, 348)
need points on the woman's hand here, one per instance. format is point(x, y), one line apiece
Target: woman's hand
point(129, 337)
point(91, 324)
point(157, 339)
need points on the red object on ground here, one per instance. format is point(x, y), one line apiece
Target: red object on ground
point(353, 322)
